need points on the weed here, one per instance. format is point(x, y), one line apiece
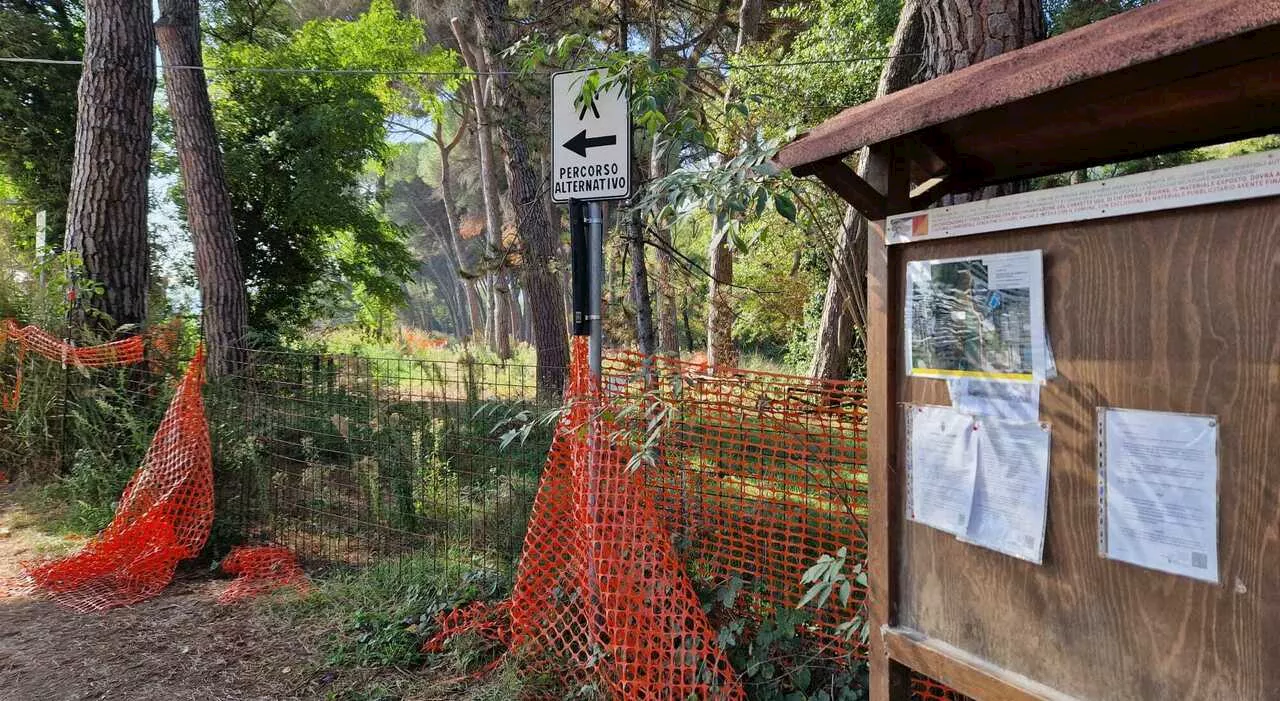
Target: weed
point(381, 615)
point(771, 650)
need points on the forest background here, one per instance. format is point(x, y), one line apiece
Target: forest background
point(374, 176)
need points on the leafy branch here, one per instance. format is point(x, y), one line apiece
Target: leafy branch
point(826, 577)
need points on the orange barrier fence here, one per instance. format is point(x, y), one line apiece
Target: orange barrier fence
point(261, 569)
point(925, 689)
point(30, 339)
point(756, 475)
point(166, 512)
point(745, 476)
point(164, 516)
point(662, 478)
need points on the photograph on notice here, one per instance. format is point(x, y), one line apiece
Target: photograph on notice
point(977, 317)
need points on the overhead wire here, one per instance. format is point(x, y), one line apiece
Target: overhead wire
point(446, 74)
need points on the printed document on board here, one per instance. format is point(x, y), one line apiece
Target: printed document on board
point(1011, 493)
point(944, 464)
point(1010, 401)
point(1158, 488)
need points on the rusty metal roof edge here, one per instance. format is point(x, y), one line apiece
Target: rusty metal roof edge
point(1129, 39)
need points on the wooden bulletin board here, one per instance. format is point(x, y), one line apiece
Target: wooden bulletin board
point(1175, 310)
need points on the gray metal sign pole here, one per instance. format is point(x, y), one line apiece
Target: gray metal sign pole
point(595, 314)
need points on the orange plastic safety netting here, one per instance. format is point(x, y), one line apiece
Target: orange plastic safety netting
point(164, 516)
point(674, 471)
point(758, 475)
point(925, 689)
point(260, 569)
point(31, 339)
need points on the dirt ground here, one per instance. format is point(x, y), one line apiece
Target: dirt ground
point(181, 645)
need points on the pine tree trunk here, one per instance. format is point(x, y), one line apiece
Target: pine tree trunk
point(668, 338)
point(541, 281)
point(640, 297)
point(750, 12)
point(481, 99)
point(475, 315)
point(951, 34)
point(502, 314)
point(668, 334)
point(107, 208)
point(844, 308)
point(960, 33)
point(640, 285)
point(720, 348)
point(224, 301)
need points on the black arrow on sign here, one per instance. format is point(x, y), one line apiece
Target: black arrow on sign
point(581, 142)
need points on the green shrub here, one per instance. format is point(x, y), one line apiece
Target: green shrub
point(381, 615)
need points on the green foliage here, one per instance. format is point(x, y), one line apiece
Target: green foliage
point(97, 426)
point(298, 149)
point(544, 679)
point(776, 285)
point(41, 435)
point(38, 107)
point(1065, 15)
point(739, 189)
point(33, 290)
point(827, 576)
point(837, 56)
point(381, 615)
point(769, 649)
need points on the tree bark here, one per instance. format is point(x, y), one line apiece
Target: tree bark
point(453, 246)
point(750, 12)
point(541, 281)
point(951, 34)
point(107, 208)
point(640, 296)
point(960, 33)
point(640, 285)
point(720, 347)
point(482, 97)
point(690, 344)
point(224, 300)
point(668, 334)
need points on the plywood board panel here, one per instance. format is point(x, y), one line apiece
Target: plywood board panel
point(1169, 311)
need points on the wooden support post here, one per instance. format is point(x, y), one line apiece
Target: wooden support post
point(889, 680)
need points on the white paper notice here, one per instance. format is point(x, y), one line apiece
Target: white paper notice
point(1010, 497)
point(944, 466)
point(1158, 483)
point(1011, 401)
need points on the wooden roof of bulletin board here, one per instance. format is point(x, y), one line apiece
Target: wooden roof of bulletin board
point(1146, 81)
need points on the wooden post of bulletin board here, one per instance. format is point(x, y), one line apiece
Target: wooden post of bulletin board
point(1172, 310)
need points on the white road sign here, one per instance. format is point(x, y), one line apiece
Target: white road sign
point(590, 140)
